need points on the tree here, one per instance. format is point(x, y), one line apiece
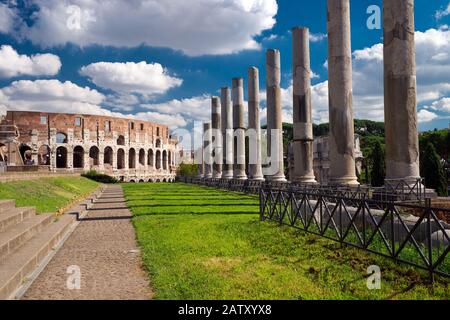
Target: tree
point(187, 170)
point(433, 171)
point(378, 173)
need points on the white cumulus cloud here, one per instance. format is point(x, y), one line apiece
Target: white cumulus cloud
point(148, 79)
point(442, 13)
point(13, 64)
point(196, 27)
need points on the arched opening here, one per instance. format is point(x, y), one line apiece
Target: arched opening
point(158, 143)
point(78, 157)
point(164, 180)
point(150, 159)
point(158, 159)
point(3, 152)
point(132, 159)
point(61, 157)
point(120, 159)
point(141, 181)
point(61, 138)
point(25, 153)
point(164, 160)
point(108, 156)
point(121, 141)
point(93, 156)
point(44, 155)
point(170, 159)
point(142, 157)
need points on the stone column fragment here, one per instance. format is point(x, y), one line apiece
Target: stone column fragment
point(207, 154)
point(274, 116)
point(216, 137)
point(303, 130)
point(254, 126)
point(239, 129)
point(227, 133)
point(402, 142)
point(342, 132)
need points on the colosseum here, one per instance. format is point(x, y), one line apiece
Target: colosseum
point(127, 149)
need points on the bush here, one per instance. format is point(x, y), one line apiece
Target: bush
point(433, 171)
point(187, 170)
point(99, 177)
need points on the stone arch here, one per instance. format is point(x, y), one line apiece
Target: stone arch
point(141, 181)
point(108, 156)
point(25, 153)
point(94, 156)
point(61, 157)
point(132, 181)
point(61, 138)
point(132, 159)
point(164, 160)
point(121, 141)
point(78, 157)
point(142, 157)
point(158, 159)
point(120, 159)
point(44, 155)
point(150, 159)
point(164, 180)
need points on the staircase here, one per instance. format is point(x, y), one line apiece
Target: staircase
point(25, 240)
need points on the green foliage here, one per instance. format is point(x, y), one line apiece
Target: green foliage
point(378, 166)
point(203, 243)
point(187, 170)
point(99, 177)
point(433, 171)
point(47, 194)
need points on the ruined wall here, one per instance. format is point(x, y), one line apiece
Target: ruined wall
point(128, 149)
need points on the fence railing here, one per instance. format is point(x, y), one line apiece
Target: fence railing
point(384, 228)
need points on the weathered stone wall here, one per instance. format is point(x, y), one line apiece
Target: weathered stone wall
point(128, 149)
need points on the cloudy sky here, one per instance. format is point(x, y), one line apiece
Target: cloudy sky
point(161, 60)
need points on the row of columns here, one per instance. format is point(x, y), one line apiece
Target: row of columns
point(402, 147)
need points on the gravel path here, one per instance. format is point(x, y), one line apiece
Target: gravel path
point(104, 248)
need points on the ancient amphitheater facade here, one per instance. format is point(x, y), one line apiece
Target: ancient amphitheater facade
point(127, 149)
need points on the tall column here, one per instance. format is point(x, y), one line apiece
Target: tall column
point(402, 142)
point(207, 155)
point(254, 126)
point(217, 137)
point(239, 129)
point(342, 132)
point(274, 115)
point(303, 130)
point(227, 133)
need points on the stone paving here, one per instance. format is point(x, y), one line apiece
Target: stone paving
point(104, 247)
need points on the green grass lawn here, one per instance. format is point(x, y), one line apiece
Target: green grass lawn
point(201, 243)
point(47, 194)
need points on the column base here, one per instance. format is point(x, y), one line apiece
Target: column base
point(217, 176)
point(277, 178)
point(257, 179)
point(240, 178)
point(306, 180)
point(208, 176)
point(348, 181)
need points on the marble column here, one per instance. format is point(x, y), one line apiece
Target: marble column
point(342, 135)
point(207, 150)
point(402, 141)
point(254, 126)
point(274, 116)
point(216, 137)
point(227, 133)
point(239, 129)
point(302, 145)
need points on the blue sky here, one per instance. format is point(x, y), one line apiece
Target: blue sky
point(84, 56)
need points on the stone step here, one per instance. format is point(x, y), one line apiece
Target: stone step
point(21, 263)
point(14, 237)
point(6, 205)
point(14, 217)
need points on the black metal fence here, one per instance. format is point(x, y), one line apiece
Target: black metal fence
point(388, 229)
